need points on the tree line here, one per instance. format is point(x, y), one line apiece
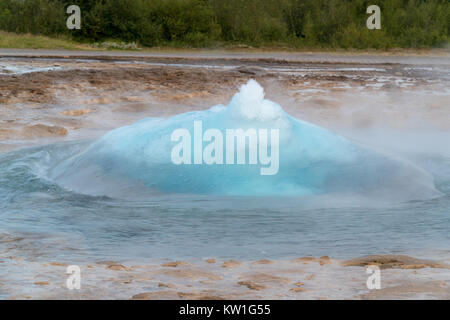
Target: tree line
point(215, 23)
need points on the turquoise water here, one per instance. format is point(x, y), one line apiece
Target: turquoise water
point(305, 159)
point(70, 226)
point(68, 202)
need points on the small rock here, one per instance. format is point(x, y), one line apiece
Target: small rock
point(324, 260)
point(231, 264)
point(389, 261)
point(263, 261)
point(257, 71)
point(160, 295)
point(252, 285)
point(175, 264)
point(58, 264)
point(305, 260)
point(118, 267)
point(298, 289)
point(167, 285)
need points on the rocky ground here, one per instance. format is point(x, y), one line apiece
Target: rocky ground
point(56, 99)
point(50, 99)
point(401, 277)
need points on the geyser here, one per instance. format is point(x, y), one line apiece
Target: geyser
point(312, 160)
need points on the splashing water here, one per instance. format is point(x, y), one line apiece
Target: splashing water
point(136, 160)
point(331, 190)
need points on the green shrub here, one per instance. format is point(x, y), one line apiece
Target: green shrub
point(200, 23)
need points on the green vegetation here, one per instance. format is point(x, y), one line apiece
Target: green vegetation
point(29, 41)
point(217, 23)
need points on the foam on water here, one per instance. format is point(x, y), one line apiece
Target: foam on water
point(136, 160)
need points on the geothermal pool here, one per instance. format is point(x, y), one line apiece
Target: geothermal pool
point(121, 197)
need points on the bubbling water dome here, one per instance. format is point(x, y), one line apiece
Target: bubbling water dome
point(138, 159)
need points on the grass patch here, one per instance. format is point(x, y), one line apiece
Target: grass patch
point(30, 41)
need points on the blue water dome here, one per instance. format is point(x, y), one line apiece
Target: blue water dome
point(251, 147)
